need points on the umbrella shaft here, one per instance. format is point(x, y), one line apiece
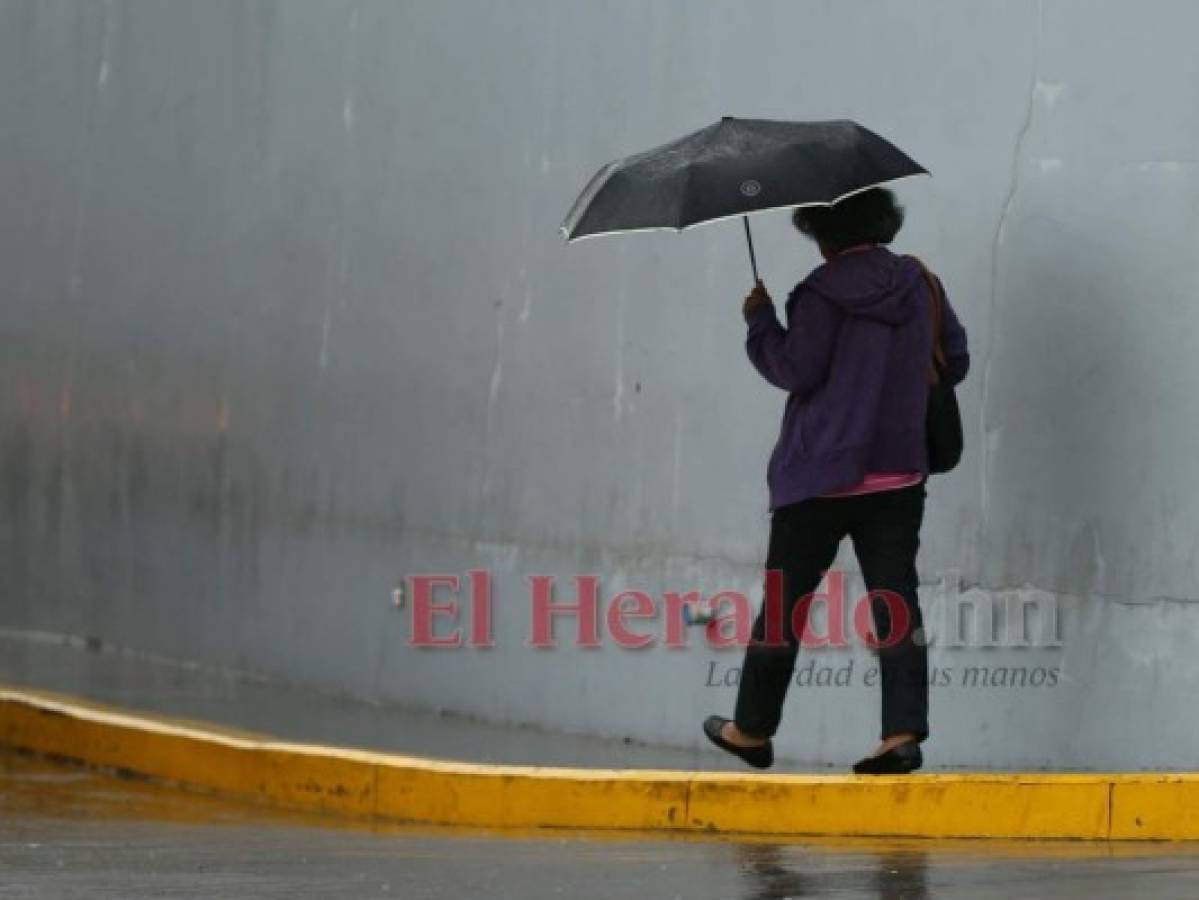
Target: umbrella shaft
point(749, 239)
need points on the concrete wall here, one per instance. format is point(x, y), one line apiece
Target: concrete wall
point(284, 317)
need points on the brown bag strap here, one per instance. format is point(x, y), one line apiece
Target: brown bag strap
point(936, 365)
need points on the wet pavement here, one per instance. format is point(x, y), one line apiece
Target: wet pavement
point(142, 682)
point(67, 833)
point(72, 833)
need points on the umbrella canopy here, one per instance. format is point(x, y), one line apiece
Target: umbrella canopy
point(732, 168)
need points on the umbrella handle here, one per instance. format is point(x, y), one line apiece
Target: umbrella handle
point(753, 262)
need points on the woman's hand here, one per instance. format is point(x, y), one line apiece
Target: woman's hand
point(756, 299)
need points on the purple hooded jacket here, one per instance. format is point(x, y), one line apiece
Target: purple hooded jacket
point(854, 360)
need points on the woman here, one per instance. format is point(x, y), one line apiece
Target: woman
point(851, 459)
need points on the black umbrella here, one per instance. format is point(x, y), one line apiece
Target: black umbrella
point(732, 168)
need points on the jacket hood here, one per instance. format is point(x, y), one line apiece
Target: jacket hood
point(875, 284)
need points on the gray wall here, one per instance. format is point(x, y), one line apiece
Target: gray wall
point(284, 316)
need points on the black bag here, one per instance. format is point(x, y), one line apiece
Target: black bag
point(943, 422)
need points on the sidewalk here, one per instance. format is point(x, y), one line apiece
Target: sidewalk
point(174, 726)
point(143, 683)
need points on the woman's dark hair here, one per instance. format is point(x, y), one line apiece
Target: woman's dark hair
point(871, 217)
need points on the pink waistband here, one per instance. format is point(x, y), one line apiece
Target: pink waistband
point(879, 481)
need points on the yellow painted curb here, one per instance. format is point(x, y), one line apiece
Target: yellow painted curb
point(403, 788)
point(1155, 806)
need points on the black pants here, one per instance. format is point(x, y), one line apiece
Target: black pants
point(885, 529)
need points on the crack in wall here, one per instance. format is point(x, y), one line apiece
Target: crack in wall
point(493, 393)
point(1091, 594)
point(996, 243)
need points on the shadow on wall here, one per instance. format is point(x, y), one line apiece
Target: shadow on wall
point(1064, 405)
point(130, 512)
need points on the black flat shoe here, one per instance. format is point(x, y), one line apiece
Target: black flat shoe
point(899, 760)
point(758, 757)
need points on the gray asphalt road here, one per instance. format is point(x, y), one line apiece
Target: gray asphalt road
point(66, 833)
